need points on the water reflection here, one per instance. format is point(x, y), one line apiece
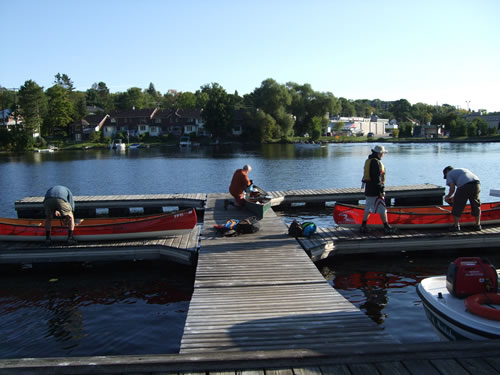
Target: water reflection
point(71, 309)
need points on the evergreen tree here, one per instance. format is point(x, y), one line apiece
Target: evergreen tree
point(32, 106)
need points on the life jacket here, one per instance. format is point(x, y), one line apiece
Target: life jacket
point(366, 170)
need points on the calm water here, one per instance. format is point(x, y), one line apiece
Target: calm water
point(140, 307)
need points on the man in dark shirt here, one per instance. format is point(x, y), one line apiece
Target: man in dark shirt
point(59, 202)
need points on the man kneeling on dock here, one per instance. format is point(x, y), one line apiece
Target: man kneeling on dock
point(59, 202)
point(239, 183)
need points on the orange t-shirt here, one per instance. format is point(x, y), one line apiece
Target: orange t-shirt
point(239, 183)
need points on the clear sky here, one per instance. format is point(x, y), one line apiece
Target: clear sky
point(440, 51)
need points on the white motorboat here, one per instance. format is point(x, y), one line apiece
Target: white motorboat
point(117, 145)
point(185, 141)
point(449, 315)
point(134, 146)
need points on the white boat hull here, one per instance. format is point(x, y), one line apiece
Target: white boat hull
point(449, 316)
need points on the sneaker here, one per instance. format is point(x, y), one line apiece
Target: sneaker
point(391, 230)
point(455, 228)
point(71, 241)
point(477, 227)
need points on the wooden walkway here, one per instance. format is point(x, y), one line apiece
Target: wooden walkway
point(402, 195)
point(261, 292)
point(348, 241)
point(119, 205)
point(435, 358)
point(86, 206)
point(181, 249)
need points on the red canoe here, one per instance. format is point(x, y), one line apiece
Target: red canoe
point(169, 224)
point(346, 215)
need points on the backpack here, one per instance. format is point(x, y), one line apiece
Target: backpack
point(295, 229)
point(308, 228)
point(249, 225)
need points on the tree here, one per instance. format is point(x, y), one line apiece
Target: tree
point(307, 104)
point(482, 126)
point(265, 126)
point(405, 129)
point(60, 110)
point(363, 108)
point(347, 108)
point(472, 129)
point(339, 125)
point(458, 127)
point(98, 95)
point(79, 103)
point(315, 127)
point(32, 106)
point(274, 99)
point(218, 110)
point(64, 81)
point(401, 110)
point(7, 99)
point(186, 100)
point(133, 98)
point(152, 91)
point(422, 112)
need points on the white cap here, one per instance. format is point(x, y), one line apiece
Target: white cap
point(247, 167)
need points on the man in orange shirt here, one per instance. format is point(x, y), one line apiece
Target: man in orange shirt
point(239, 183)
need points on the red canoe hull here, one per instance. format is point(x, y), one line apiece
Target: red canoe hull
point(154, 226)
point(347, 215)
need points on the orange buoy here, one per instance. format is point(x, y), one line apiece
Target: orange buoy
point(476, 305)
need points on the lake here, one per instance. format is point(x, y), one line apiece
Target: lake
point(141, 307)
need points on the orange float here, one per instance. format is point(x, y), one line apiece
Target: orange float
point(475, 304)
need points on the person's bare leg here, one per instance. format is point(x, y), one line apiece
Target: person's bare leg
point(70, 222)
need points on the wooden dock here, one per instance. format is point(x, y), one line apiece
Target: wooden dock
point(398, 195)
point(120, 205)
point(433, 358)
point(260, 291)
point(180, 249)
point(348, 241)
point(116, 205)
point(260, 307)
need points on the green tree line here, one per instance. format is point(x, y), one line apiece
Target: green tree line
point(271, 112)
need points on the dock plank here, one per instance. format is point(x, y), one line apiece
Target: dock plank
point(348, 241)
point(260, 291)
point(182, 249)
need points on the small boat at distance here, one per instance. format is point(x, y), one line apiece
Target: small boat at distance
point(153, 226)
point(347, 215)
point(117, 145)
point(449, 315)
point(185, 141)
point(258, 201)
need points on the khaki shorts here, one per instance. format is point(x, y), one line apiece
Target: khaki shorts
point(468, 192)
point(51, 205)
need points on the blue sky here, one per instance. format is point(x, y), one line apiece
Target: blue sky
point(423, 51)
